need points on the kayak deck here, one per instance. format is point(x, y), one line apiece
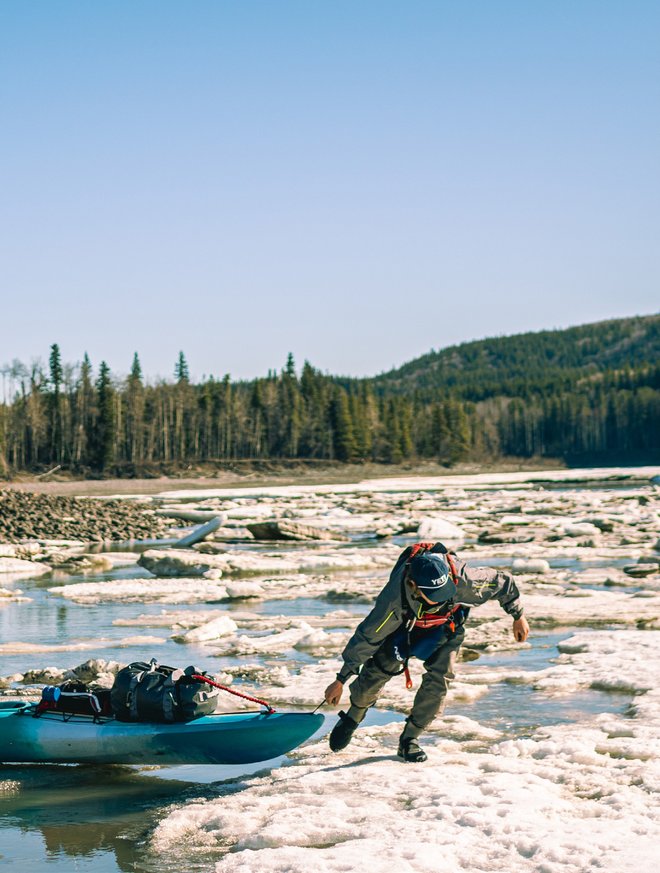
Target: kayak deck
point(223, 738)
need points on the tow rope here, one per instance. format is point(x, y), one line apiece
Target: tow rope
point(201, 678)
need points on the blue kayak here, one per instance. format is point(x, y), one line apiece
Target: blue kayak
point(223, 738)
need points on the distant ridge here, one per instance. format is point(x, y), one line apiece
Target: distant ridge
point(520, 363)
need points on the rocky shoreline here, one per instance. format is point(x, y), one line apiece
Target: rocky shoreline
point(25, 516)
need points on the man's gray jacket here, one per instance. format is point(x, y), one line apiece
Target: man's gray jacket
point(476, 585)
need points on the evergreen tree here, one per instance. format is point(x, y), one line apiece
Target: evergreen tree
point(105, 424)
point(82, 436)
point(359, 416)
point(440, 433)
point(257, 419)
point(181, 372)
point(56, 376)
point(290, 368)
point(227, 418)
point(343, 436)
point(460, 432)
point(135, 377)
point(56, 373)
point(309, 383)
point(134, 417)
point(289, 411)
point(405, 438)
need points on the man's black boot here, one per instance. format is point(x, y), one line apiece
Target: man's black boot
point(410, 751)
point(341, 734)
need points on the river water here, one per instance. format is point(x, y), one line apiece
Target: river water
point(100, 818)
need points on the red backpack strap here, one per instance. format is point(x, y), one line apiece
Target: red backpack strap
point(418, 548)
point(452, 567)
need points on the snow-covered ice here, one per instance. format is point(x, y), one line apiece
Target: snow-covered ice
point(575, 794)
point(567, 799)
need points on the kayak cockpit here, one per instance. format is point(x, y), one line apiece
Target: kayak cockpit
point(11, 707)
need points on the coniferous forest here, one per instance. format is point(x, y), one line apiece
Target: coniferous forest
point(586, 395)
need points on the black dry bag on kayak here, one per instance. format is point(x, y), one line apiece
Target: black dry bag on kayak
point(154, 692)
point(75, 698)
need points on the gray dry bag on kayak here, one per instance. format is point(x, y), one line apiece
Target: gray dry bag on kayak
point(154, 692)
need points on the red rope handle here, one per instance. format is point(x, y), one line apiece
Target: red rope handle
point(231, 691)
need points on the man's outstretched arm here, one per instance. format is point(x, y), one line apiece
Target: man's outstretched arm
point(334, 692)
point(521, 629)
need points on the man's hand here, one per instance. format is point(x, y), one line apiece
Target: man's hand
point(520, 629)
point(333, 692)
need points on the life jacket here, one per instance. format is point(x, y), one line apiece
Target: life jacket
point(423, 632)
point(431, 619)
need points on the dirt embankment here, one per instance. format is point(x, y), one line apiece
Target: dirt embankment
point(248, 474)
point(45, 516)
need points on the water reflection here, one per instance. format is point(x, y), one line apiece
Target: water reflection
point(102, 813)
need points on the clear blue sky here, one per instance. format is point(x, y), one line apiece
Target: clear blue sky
point(355, 182)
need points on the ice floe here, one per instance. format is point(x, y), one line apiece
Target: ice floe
point(531, 565)
point(300, 636)
point(246, 620)
point(142, 591)
point(432, 529)
point(12, 595)
point(163, 562)
point(19, 648)
point(17, 568)
point(210, 630)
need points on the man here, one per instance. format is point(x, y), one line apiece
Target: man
point(419, 613)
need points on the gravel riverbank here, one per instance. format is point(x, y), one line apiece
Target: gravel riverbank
point(42, 516)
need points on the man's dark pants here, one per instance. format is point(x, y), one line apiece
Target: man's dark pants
point(430, 698)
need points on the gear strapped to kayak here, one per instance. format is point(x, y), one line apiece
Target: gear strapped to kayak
point(75, 698)
point(153, 715)
point(153, 692)
point(142, 693)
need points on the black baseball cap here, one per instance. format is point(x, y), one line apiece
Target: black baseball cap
point(432, 575)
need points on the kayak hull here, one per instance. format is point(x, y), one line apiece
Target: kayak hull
point(232, 738)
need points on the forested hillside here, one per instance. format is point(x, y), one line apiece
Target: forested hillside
point(589, 394)
point(532, 363)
